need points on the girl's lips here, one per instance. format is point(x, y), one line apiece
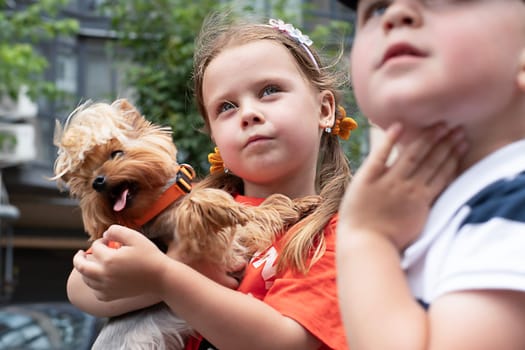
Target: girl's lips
point(401, 49)
point(255, 138)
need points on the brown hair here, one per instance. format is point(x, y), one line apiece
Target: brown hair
point(305, 239)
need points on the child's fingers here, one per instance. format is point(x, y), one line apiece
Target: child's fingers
point(448, 169)
point(447, 173)
point(116, 236)
point(99, 249)
point(414, 154)
point(128, 240)
point(442, 154)
point(378, 157)
point(80, 262)
point(89, 269)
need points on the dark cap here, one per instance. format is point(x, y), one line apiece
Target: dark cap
point(350, 3)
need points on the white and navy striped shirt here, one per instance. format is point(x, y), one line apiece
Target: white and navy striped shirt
point(475, 235)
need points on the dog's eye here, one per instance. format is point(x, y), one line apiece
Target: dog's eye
point(116, 154)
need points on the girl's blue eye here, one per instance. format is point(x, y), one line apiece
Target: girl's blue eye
point(270, 89)
point(226, 106)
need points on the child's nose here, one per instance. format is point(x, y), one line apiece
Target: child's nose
point(251, 115)
point(401, 14)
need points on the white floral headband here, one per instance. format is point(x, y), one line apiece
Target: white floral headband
point(297, 35)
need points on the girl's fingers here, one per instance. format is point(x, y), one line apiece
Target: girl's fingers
point(116, 236)
point(81, 263)
point(92, 283)
point(88, 268)
point(116, 233)
point(91, 272)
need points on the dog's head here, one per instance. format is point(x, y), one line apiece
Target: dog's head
point(114, 161)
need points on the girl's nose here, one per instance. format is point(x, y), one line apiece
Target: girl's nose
point(402, 14)
point(251, 116)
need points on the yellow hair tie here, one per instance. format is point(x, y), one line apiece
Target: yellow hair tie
point(216, 162)
point(343, 125)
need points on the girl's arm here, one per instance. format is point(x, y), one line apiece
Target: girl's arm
point(227, 318)
point(83, 297)
point(382, 212)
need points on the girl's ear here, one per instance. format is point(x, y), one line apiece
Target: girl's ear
point(520, 78)
point(327, 112)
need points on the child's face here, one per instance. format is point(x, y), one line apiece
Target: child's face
point(265, 116)
point(423, 61)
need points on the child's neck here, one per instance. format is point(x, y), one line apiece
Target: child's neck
point(291, 190)
point(484, 138)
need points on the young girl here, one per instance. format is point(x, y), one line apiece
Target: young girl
point(271, 108)
point(461, 284)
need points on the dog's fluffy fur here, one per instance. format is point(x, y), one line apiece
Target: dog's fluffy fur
point(133, 161)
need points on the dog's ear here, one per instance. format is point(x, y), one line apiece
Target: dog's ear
point(130, 112)
point(124, 105)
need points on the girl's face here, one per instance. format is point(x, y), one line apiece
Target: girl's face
point(424, 61)
point(266, 118)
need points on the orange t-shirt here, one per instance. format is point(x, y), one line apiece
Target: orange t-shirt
point(311, 299)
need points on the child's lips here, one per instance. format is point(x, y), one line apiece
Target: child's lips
point(400, 50)
point(255, 139)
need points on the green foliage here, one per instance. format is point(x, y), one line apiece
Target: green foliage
point(158, 39)
point(20, 63)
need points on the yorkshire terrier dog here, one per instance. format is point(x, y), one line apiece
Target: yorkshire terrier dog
point(123, 170)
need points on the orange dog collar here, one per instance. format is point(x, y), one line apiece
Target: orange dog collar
point(182, 186)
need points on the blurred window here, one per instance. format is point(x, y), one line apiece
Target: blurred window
point(47, 326)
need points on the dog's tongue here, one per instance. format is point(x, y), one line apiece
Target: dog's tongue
point(121, 201)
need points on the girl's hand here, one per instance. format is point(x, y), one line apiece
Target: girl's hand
point(128, 271)
point(394, 200)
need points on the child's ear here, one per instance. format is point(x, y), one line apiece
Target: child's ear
point(327, 113)
point(520, 79)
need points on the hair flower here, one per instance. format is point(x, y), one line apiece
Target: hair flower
point(291, 31)
point(343, 125)
point(216, 162)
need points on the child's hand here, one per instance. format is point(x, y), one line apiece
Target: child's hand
point(114, 244)
point(395, 200)
point(125, 272)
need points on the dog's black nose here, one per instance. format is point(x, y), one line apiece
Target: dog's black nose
point(99, 183)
